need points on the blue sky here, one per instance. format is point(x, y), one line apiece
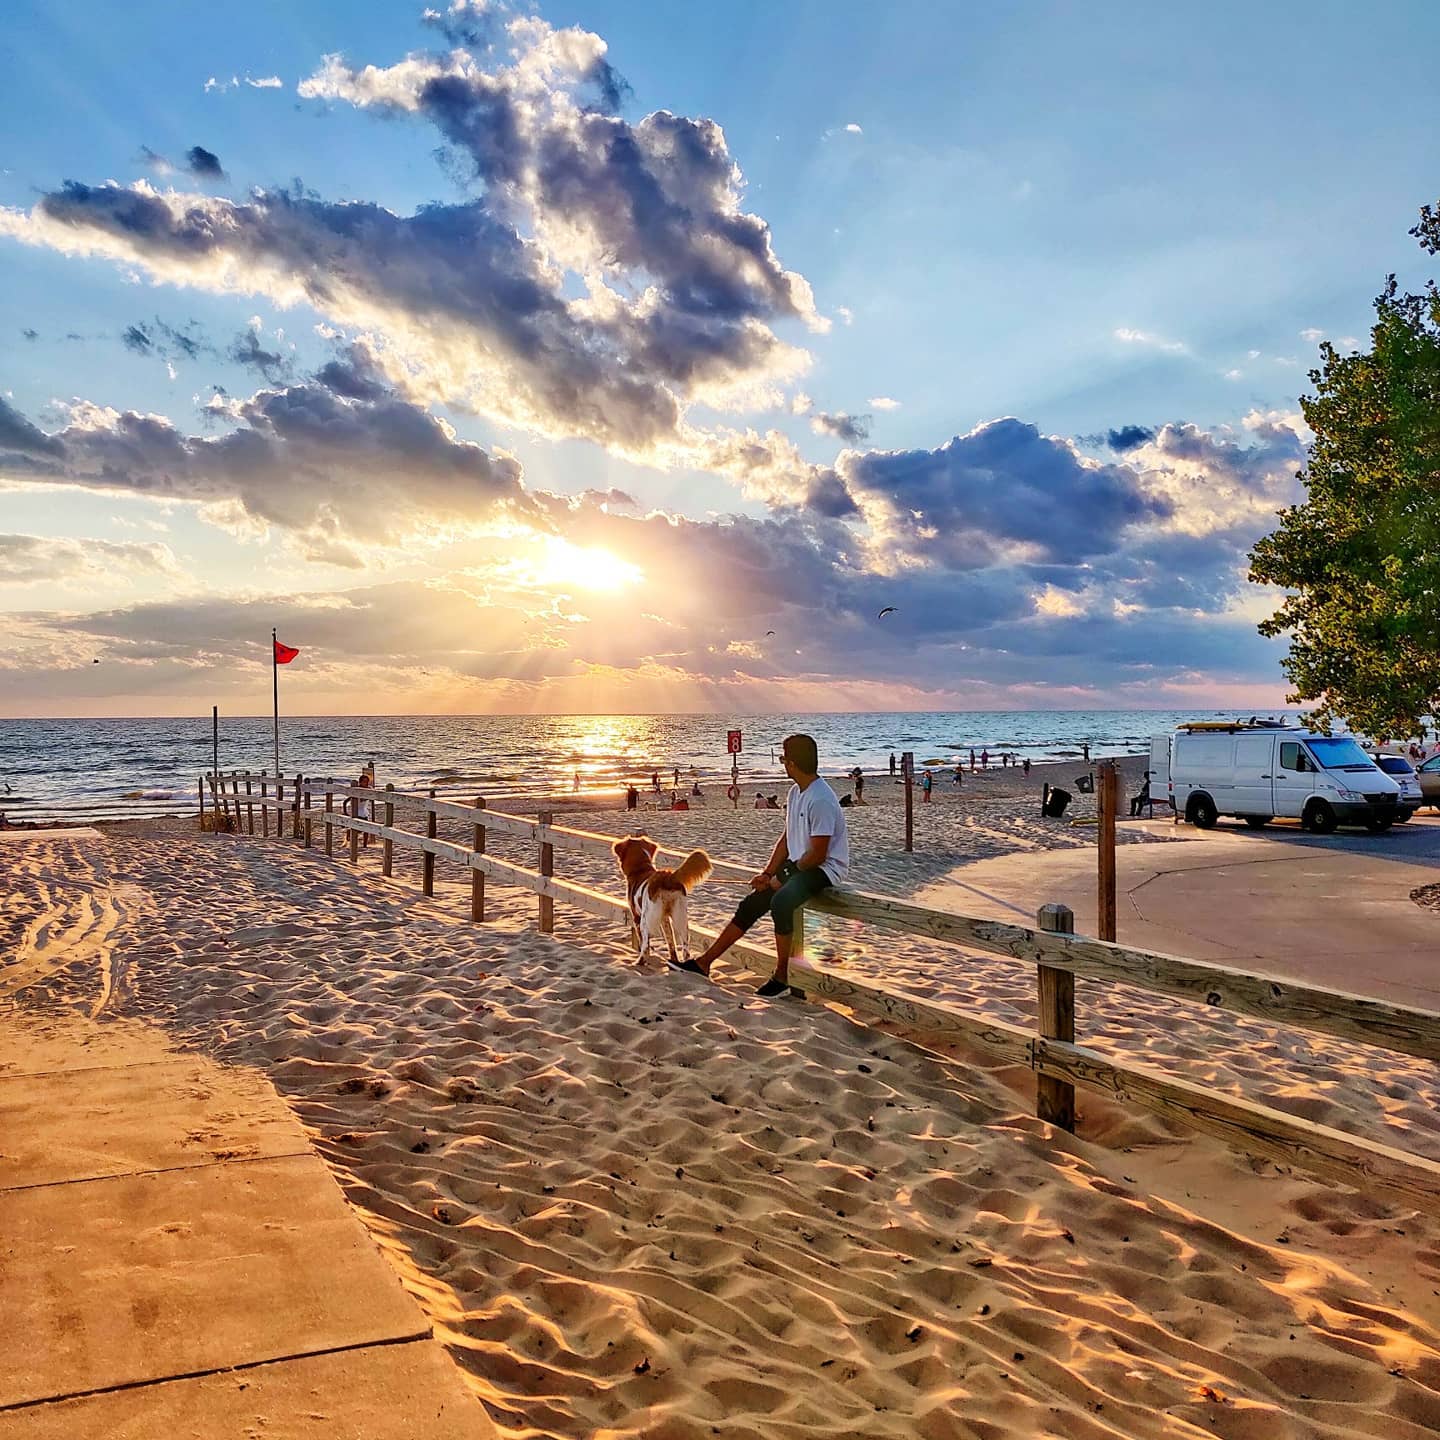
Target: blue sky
point(1083, 218)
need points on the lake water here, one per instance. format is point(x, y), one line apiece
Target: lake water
point(107, 769)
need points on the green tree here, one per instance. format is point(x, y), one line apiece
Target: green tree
point(1361, 555)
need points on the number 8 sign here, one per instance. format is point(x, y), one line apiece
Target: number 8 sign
point(732, 742)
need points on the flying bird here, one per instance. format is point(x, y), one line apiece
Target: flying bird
point(888, 610)
point(769, 633)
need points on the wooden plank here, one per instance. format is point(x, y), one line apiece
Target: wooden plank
point(1256, 1129)
point(427, 860)
point(477, 877)
point(1109, 805)
point(546, 903)
point(387, 855)
point(1055, 1099)
point(249, 804)
point(329, 822)
point(1265, 997)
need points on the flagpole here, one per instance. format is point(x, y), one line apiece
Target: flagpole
point(275, 685)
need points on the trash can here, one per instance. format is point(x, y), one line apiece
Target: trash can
point(1055, 802)
point(1085, 784)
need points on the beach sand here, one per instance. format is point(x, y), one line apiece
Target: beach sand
point(636, 1205)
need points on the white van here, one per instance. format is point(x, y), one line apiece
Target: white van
point(1258, 773)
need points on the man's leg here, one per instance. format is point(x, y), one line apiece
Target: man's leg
point(750, 909)
point(799, 888)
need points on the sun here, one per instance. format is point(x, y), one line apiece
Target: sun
point(585, 566)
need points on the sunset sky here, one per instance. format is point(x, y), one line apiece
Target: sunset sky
point(617, 357)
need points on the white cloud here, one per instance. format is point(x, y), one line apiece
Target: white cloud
point(1312, 335)
point(266, 82)
point(853, 129)
point(845, 313)
point(882, 402)
point(1141, 337)
point(1234, 375)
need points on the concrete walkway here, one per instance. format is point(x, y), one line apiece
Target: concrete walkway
point(1330, 910)
point(176, 1261)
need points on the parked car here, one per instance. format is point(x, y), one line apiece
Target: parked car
point(1402, 772)
point(1429, 777)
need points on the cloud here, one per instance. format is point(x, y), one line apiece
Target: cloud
point(136, 339)
point(264, 82)
point(853, 429)
point(30, 334)
point(1154, 342)
point(882, 402)
point(204, 164)
point(1312, 335)
point(155, 162)
point(847, 316)
point(1003, 490)
point(31, 559)
point(165, 341)
point(853, 129)
point(246, 350)
point(1127, 437)
point(338, 474)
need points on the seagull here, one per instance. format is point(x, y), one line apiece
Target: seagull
point(888, 610)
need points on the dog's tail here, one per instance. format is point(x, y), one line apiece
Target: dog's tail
point(693, 869)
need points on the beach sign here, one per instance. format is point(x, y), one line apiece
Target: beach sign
point(907, 763)
point(732, 742)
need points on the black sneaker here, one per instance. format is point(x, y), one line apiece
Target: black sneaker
point(773, 988)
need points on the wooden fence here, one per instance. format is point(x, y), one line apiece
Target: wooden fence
point(300, 805)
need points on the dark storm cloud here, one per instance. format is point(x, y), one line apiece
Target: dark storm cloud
point(28, 559)
point(137, 339)
point(334, 472)
point(1128, 437)
point(1002, 484)
point(203, 164)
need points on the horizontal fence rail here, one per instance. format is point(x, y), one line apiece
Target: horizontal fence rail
point(295, 804)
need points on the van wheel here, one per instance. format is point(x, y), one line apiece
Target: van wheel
point(1202, 812)
point(1379, 824)
point(1320, 818)
point(1258, 822)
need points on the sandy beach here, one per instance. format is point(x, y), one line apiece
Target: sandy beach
point(639, 1206)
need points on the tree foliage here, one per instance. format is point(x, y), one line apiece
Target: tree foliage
point(1361, 554)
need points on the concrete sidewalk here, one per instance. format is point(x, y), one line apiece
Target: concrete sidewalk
point(178, 1262)
point(1332, 911)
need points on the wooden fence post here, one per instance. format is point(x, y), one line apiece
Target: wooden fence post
point(547, 867)
point(264, 804)
point(354, 813)
point(309, 833)
point(235, 795)
point(427, 864)
point(477, 877)
point(214, 803)
point(329, 828)
point(201, 784)
point(295, 808)
point(1055, 1099)
point(249, 803)
point(387, 850)
point(1109, 803)
point(279, 807)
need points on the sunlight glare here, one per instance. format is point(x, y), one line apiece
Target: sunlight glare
point(587, 566)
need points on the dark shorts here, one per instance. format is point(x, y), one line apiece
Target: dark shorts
point(796, 887)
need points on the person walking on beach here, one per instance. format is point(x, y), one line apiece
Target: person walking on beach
point(632, 797)
point(927, 784)
point(1085, 751)
point(1026, 765)
point(811, 855)
point(858, 776)
point(959, 774)
point(892, 764)
point(985, 759)
point(655, 781)
point(577, 782)
point(972, 759)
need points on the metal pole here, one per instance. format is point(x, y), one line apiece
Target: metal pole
point(275, 688)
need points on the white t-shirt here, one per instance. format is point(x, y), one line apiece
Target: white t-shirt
point(815, 810)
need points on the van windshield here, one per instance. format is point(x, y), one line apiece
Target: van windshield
point(1339, 753)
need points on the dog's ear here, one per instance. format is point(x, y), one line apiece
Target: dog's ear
point(650, 847)
point(618, 848)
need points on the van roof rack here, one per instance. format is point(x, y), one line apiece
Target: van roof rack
point(1232, 725)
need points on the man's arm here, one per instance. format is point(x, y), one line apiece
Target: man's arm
point(766, 880)
point(815, 853)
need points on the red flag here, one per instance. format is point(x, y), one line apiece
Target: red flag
point(284, 654)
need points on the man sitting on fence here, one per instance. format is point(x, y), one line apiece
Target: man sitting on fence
point(812, 854)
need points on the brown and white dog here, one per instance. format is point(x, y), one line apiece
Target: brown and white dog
point(659, 899)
